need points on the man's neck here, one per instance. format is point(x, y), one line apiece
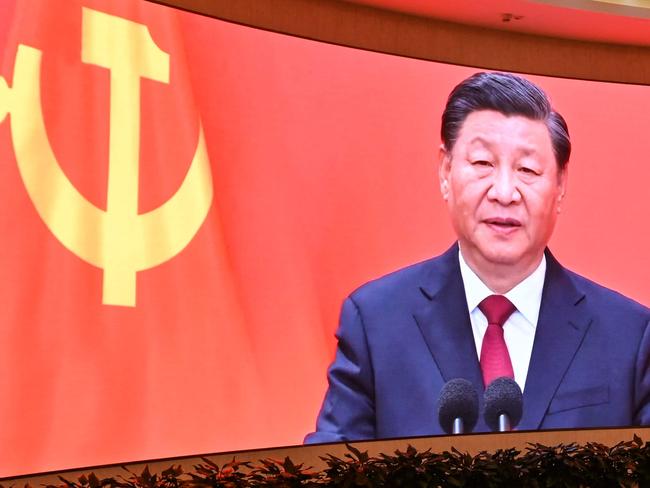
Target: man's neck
point(501, 277)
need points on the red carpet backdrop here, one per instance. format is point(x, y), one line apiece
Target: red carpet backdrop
point(185, 203)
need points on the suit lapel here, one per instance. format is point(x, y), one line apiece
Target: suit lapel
point(444, 321)
point(561, 327)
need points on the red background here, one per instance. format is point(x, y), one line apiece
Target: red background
point(325, 176)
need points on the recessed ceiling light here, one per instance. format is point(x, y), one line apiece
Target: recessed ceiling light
point(508, 17)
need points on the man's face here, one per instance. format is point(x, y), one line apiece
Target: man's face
point(503, 189)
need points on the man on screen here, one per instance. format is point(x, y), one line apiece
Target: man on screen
point(497, 303)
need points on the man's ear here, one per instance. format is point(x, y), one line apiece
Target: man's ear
point(444, 168)
point(563, 181)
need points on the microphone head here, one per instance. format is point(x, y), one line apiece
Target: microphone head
point(458, 399)
point(502, 396)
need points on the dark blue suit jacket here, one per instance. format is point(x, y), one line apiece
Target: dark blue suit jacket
point(403, 336)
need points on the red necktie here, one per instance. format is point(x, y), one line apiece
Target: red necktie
point(495, 360)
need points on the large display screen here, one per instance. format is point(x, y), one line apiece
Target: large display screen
point(186, 203)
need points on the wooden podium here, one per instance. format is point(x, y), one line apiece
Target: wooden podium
point(310, 455)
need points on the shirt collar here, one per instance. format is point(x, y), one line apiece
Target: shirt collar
point(525, 296)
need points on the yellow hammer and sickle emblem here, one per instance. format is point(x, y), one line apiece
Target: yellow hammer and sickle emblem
point(118, 240)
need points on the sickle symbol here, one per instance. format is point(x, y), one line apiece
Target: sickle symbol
point(118, 240)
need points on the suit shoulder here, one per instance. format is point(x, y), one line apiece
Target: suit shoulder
point(609, 299)
point(397, 285)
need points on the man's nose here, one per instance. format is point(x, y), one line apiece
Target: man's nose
point(503, 188)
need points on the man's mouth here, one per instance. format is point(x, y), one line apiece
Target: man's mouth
point(503, 224)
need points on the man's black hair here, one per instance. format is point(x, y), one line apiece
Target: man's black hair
point(510, 95)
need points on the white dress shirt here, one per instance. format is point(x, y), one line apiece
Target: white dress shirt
point(519, 329)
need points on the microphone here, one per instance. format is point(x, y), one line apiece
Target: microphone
point(458, 406)
point(503, 404)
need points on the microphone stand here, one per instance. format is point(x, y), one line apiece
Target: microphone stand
point(504, 423)
point(458, 427)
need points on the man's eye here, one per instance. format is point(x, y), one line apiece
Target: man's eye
point(528, 171)
point(481, 162)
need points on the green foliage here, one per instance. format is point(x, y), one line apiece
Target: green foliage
point(210, 475)
point(357, 469)
point(283, 474)
point(627, 464)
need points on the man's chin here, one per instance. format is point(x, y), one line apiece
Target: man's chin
point(501, 255)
